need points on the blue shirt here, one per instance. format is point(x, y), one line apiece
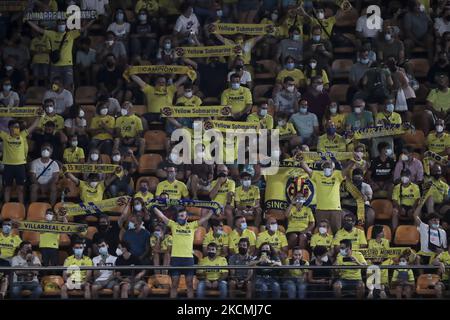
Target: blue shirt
point(365, 120)
point(138, 241)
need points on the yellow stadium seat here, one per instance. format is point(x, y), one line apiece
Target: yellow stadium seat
point(13, 210)
point(36, 211)
point(64, 240)
point(383, 209)
point(148, 163)
point(277, 214)
point(59, 205)
point(406, 235)
point(347, 18)
point(182, 284)
point(210, 101)
point(386, 230)
point(424, 282)
point(340, 68)
point(35, 95)
point(70, 186)
point(227, 229)
point(155, 140)
point(106, 159)
point(338, 92)
point(86, 95)
point(199, 235)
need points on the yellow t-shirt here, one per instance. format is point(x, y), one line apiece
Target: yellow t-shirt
point(393, 118)
point(89, 194)
point(339, 120)
point(277, 240)
point(318, 240)
point(247, 198)
point(151, 6)
point(221, 197)
point(298, 221)
point(166, 244)
point(49, 240)
point(41, 47)
point(439, 99)
point(108, 120)
point(264, 123)
point(439, 190)
point(409, 194)
point(8, 245)
point(438, 144)
point(14, 148)
point(328, 190)
point(182, 238)
point(444, 257)
point(193, 101)
point(237, 99)
point(57, 119)
point(78, 274)
point(145, 197)
point(235, 237)
point(296, 74)
point(175, 190)
point(66, 50)
point(324, 75)
point(157, 99)
point(327, 24)
point(129, 126)
point(73, 155)
point(337, 144)
point(356, 236)
point(221, 241)
point(287, 130)
point(396, 274)
point(213, 274)
point(384, 244)
point(350, 274)
point(245, 52)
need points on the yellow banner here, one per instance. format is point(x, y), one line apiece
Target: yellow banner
point(52, 227)
point(19, 112)
point(90, 168)
point(222, 126)
point(380, 131)
point(196, 112)
point(429, 157)
point(160, 69)
point(207, 51)
point(318, 156)
point(77, 209)
point(13, 6)
point(58, 15)
point(243, 28)
point(357, 195)
point(384, 253)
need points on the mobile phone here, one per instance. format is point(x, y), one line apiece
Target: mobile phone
point(347, 259)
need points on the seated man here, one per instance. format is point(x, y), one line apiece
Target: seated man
point(218, 236)
point(264, 119)
point(404, 197)
point(104, 279)
point(240, 278)
point(274, 237)
point(214, 279)
point(351, 233)
point(240, 232)
point(247, 200)
point(295, 284)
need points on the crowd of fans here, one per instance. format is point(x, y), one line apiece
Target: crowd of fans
point(322, 74)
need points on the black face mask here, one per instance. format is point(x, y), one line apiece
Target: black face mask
point(242, 251)
point(348, 226)
point(103, 227)
point(222, 175)
point(211, 254)
point(436, 176)
point(357, 182)
point(266, 252)
point(110, 64)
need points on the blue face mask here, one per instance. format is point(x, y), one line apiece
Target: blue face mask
point(235, 86)
point(243, 226)
point(6, 229)
point(290, 66)
point(390, 107)
point(78, 252)
point(181, 221)
point(331, 131)
point(103, 251)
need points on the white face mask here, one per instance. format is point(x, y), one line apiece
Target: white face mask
point(119, 252)
point(81, 114)
point(296, 37)
point(324, 259)
point(61, 28)
point(388, 37)
point(322, 230)
point(273, 227)
point(235, 86)
point(263, 112)
point(123, 112)
point(94, 156)
point(303, 110)
point(50, 109)
point(320, 15)
point(167, 46)
point(290, 88)
point(93, 184)
point(247, 183)
point(327, 172)
point(45, 153)
point(402, 263)
point(357, 110)
point(404, 157)
point(138, 207)
point(389, 152)
point(360, 154)
point(274, 17)
point(439, 128)
point(104, 111)
point(319, 87)
point(109, 42)
point(405, 180)
point(49, 217)
point(219, 13)
point(131, 225)
point(343, 252)
point(74, 143)
point(116, 158)
point(142, 17)
point(333, 110)
point(188, 94)
point(422, 8)
point(313, 65)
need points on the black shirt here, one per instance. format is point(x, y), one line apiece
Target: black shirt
point(435, 70)
point(211, 78)
point(132, 260)
point(111, 236)
point(321, 273)
point(382, 171)
point(110, 78)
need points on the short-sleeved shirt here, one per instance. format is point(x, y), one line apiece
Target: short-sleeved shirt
point(336, 144)
point(318, 240)
point(221, 241)
point(429, 235)
point(382, 170)
point(299, 221)
point(43, 170)
point(356, 236)
point(158, 98)
point(237, 99)
point(366, 120)
point(8, 245)
point(287, 130)
point(213, 275)
point(265, 122)
point(277, 240)
point(129, 126)
point(56, 119)
point(176, 190)
point(108, 120)
point(398, 275)
point(193, 101)
point(79, 275)
point(221, 197)
point(374, 244)
point(350, 274)
point(444, 257)
point(66, 50)
point(72, 155)
point(110, 261)
point(393, 118)
point(439, 99)
point(439, 189)
point(296, 74)
point(144, 197)
point(89, 194)
point(304, 123)
point(247, 198)
point(41, 46)
point(183, 238)
point(406, 195)
point(235, 237)
point(138, 241)
point(438, 144)
point(327, 190)
point(14, 148)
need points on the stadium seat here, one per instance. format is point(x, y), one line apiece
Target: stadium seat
point(31, 236)
point(86, 95)
point(148, 163)
point(60, 205)
point(159, 284)
point(406, 235)
point(199, 235)
point(182, 289)
point(152, 183)
point(139, 109)
point(347, 18)
point(210, 101)
point(13, 210)
point(64, 240)
point(277, 214)
point(424, 282)
point(260, 92)
point(196, 211)
point(415, 139)
point(52, 285)
point(420, 67)
point(386, 230)
point(338, 92)
point(346, 49)
point(35, 95)
point(340, 68)
point(270, 70)
point(36, 211)
point(155, 140)
point(383, 209)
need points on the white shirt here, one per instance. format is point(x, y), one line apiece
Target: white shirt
point(85, 59)
point(434, 237)
point(246, 77)
point(120, 30)
point(441, 26)
point(72, 123)
point(110, 262)
point(37, 167)
point(62, 100)
point(184, 24)
point(18, 261)
point(366, 190)
point(97, 5)
point(10, 100)
point(361, 26)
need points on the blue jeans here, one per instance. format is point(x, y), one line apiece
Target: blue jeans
point(295, 288)
point(265, 284)
point(34, 287)
point(223, 288)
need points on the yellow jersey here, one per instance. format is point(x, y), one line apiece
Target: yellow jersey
point(72, 155)
point(235, 237)
point(89, 194)
point(40, 46)
point(327, 24)
point(213, 274)
point(129, 126)
point(108, 121)
point(14, 148)
point(221, 197)
point(395, 275)
point(166, 244)
point(151, 6)
point(298, 221)
point(328, 190)
point(337, 144)
point(265, 123)
point(296, 74)
point(78, 275)
point(408, 196)
point(66, 50)
point(277, 240)
point(237, 99)
point(176, 190)
point(338, 119)
point(287, 130)
point(193, 101)
point(158, 98)
point(439, 99)
point(319, 240)
point(247, 198)
point(439, 189)
point(438, 144)
point(374, 244)
point(393, 118)
point(56, 119)
point(182, 238)
point(356, 236)
point(8, 245)
point(350, 274)
point(221, 241)
point(145, 197)
point(444, 257)
point(297, 273)
point(245, 49)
